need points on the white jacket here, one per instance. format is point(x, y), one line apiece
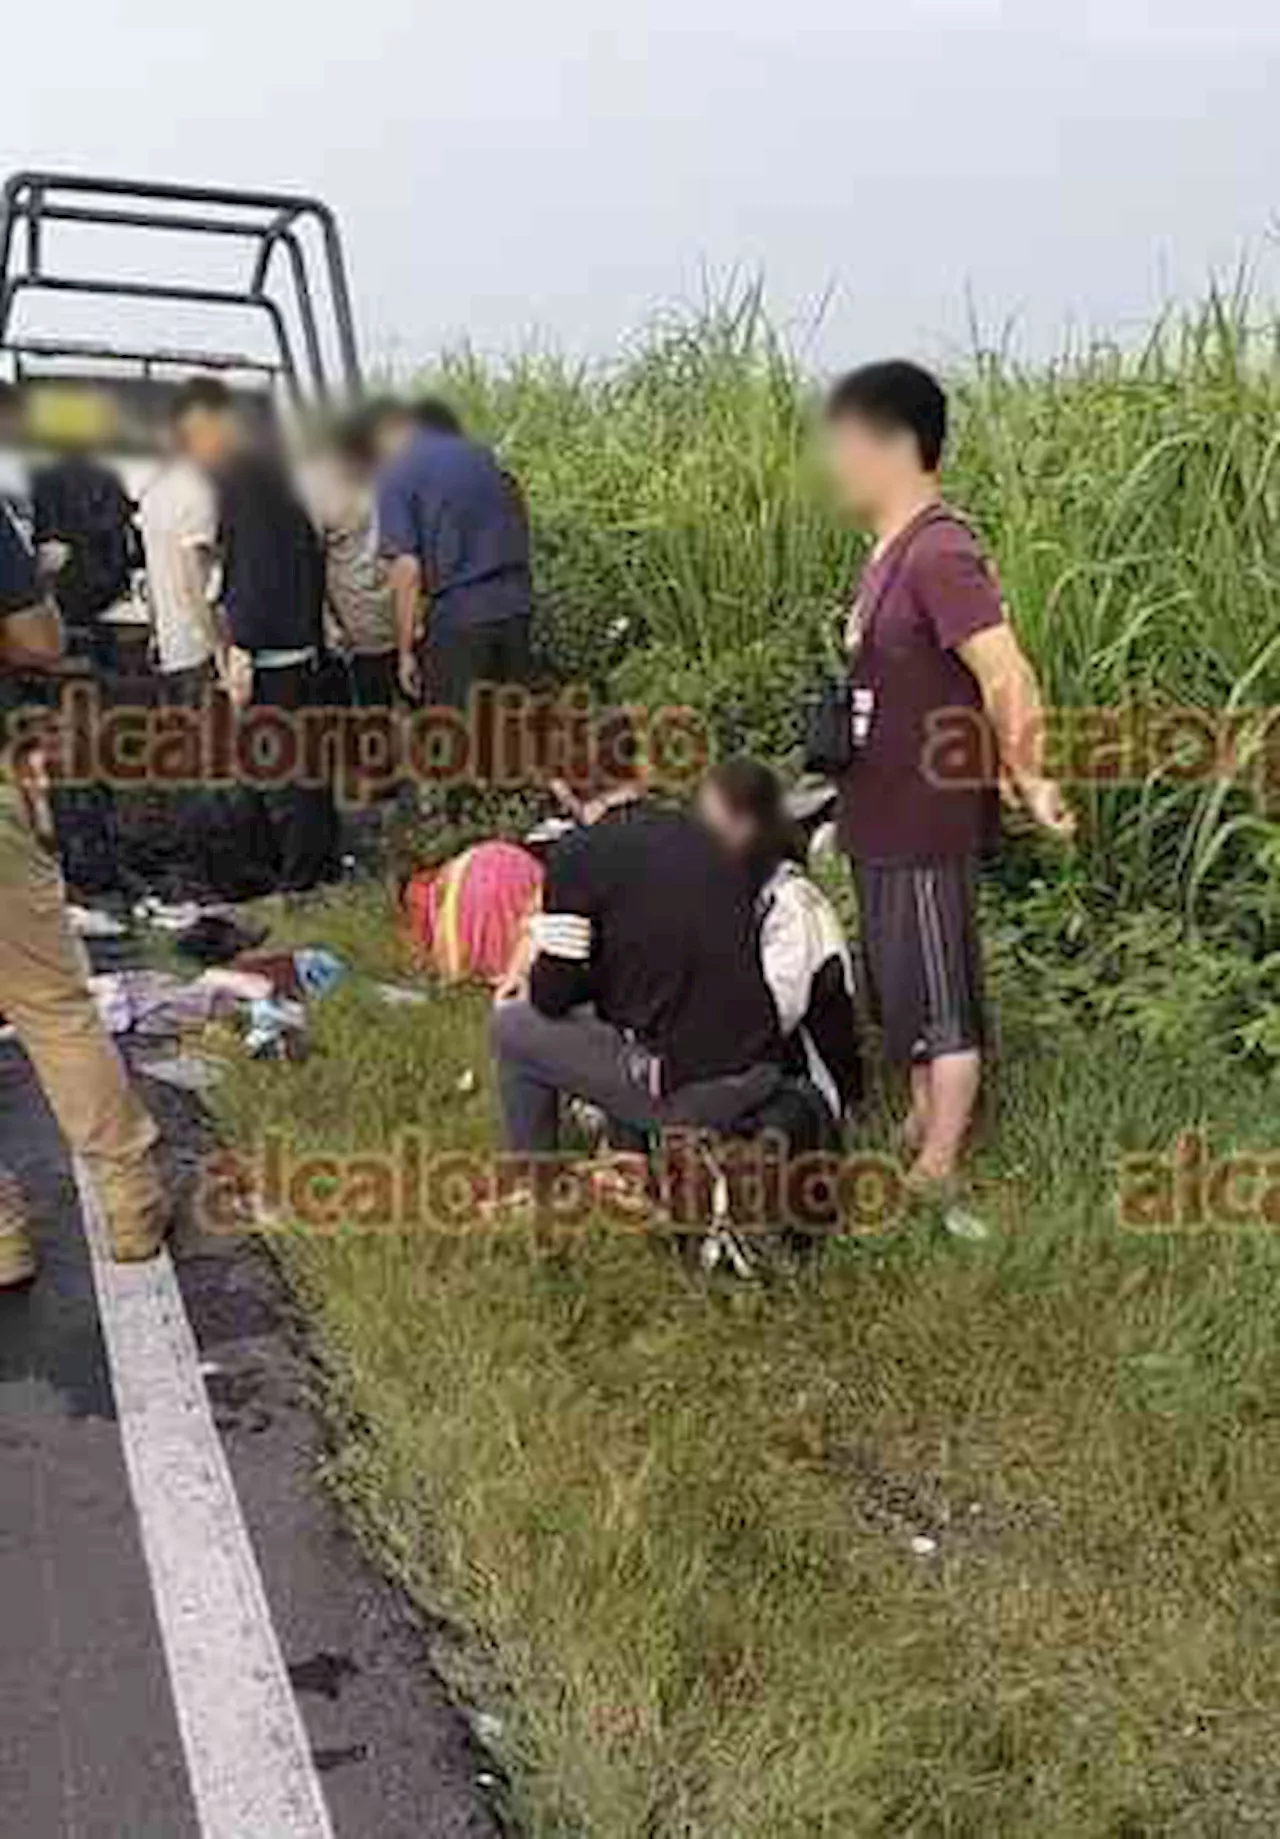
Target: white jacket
point(809, 971)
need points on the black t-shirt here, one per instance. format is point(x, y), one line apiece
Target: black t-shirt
point(273, 563)
point(81, 503)
point(646, 918)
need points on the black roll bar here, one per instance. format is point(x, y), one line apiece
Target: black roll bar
point(272, 221)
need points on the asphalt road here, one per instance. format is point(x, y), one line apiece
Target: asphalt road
point(92, 1737)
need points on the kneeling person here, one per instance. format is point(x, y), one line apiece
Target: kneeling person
point(645, 994)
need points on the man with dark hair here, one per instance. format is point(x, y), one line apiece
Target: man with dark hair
point(434, 414)
point(44, 987)
point(945, 705)
point(454, 529)
point(273, 587)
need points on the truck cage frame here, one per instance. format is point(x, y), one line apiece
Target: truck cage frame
point(270, 224)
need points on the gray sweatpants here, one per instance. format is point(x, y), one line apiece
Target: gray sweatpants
point(541, 1059)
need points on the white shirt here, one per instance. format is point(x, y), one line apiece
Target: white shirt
point(179, 529)
point(799, 933)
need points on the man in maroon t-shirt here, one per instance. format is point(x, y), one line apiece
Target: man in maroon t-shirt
point(945, 707)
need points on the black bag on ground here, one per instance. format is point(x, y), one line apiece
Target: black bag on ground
point(228, 842)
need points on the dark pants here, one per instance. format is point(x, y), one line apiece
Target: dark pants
point(374, 682)
point(187, 689)
point(458, 661)
point(302, 816)
point(541, 1059)
point(922, 956)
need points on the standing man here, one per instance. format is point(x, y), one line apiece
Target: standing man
point(273, 599)
point(453, 525)
point(946, 704)
point(358, 594)
point(44, 989)
point(179, 540)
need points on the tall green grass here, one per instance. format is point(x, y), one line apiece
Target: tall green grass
point(1129, 497)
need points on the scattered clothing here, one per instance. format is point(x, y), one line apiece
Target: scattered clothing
point(186, 1072)
point(217, 938)
point(277, 1030)
point(150, 1003)
point(44, 992)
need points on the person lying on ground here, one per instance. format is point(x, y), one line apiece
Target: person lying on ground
point(802, 945)
point(946, 706)
point(645, 995)
point(453, 527)
point(44, 987)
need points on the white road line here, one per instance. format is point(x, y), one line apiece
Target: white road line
point(252, 1774)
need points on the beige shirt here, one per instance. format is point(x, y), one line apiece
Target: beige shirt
point(360, 599)
point(179, 530)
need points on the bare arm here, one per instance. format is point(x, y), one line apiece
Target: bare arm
point(1014, 706)
point(405, 575)
point(31, 640)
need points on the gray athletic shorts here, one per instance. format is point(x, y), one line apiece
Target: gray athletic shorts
point(922, 956)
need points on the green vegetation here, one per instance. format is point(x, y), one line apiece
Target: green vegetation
point(1132, 502)
point(673, 1519)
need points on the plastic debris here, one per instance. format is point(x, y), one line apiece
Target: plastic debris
point(466, 1083)
point(276, 1029)
point(399, 995)
point(166, 915)
point(92, 923)
point(318, 970)
point(923, 1546)
point(187, 1072)
point(962, 1224)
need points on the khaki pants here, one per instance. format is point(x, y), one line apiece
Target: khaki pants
point(44, 992)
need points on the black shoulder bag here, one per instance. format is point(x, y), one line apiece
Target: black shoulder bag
point(834, 727)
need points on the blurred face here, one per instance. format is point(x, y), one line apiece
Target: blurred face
point(392, 436)
point(735, 830)
point(208, 437)
point(866, 467)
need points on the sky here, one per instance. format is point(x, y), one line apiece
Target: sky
point(558, 172)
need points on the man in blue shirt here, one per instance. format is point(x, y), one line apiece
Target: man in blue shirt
point(453, 525)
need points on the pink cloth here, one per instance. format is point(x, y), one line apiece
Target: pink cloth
point(468, 915)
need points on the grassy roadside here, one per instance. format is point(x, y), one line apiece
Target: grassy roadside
point(678, 1519)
